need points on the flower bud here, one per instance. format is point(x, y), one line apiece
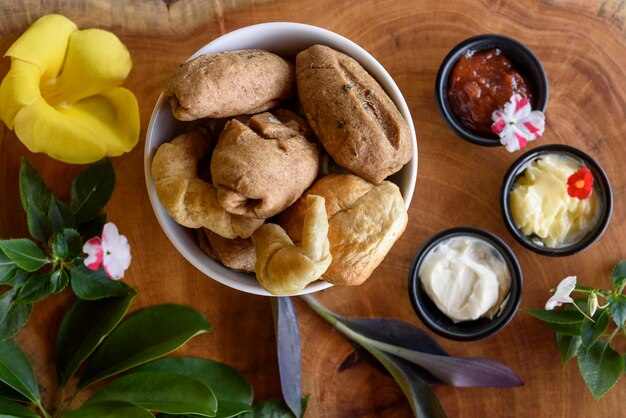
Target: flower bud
point(592, 304)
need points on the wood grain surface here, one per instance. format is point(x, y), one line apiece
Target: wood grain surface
point(582, 45)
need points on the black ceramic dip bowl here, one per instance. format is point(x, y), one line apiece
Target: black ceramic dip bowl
point(479, 328)
point(524, 62)
point(601, 187)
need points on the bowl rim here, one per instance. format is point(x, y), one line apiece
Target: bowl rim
point(359, 54)
point(599, 176)
point(452, 330)
point(448, 64)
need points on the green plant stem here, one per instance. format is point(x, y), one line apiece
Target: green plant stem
point(320, 309)
point(60, 412)
point(583, 312)
point(613, 334)
point(589, 290)
point(59, 401)
point(369, 344)
point(43, 410)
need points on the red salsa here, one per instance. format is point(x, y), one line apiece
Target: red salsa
point(481, 82)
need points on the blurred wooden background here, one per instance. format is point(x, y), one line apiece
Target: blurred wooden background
point(582, 45)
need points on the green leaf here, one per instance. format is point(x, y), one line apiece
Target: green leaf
point(60, 216)
point(618, 275)
point(83, 328)
point(147, 335)
point(13, 315)
point(58, 281)
point(232, 390)
point(567, 329)
point(67, 244)
point(25, 253)
point(10, 394)
point(36, 288)
point(7, 268)
point(15, 371)
point(35, 197)
point(592, 331)
point(617, 308)
point(601, 367)
point(16, 279)
point(567, 322)
point(568, 346)
point(92, 228)
point(10, 409)
point(272, 408)
point(91, 190)
point(171, 393)
point(557, 317)
point(112, 409)
point(92, 285)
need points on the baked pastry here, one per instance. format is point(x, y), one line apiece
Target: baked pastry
point(364, 222)
point(261, 168)
point(229, 83)
point(189, 200)
point(354, 119)
point(237, 254)
point(283, 268)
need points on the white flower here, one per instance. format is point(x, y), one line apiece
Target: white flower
point(516, 124)
point(112, 251)
point(562, 293)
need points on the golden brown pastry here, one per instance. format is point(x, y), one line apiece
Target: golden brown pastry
point(364, 222)
point(237, 254)
point(283, 268)
point(229, 83)
point(354, 119)
point(190, 201)
point(261, 168)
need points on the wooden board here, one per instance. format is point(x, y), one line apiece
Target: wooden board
point(582, 46)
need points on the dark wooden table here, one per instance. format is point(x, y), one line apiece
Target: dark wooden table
point(582, 46)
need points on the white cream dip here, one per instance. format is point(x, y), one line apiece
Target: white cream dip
point(466, 278)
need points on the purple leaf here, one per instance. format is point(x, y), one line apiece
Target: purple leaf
point(289, 353)
point(420, 396)
point(392, 331)
point(462, 371)
point(399, 333)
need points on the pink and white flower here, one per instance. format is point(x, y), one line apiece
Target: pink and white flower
point(112, 251)
point(517, 123)
point(562, 293)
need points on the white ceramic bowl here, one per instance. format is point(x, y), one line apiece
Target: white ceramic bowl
point(285, 39)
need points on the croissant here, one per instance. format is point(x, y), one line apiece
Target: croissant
point(189, 200)
point(365, 220)
point(283, 268)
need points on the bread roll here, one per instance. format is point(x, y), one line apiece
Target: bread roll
point(364, 222)
point(237, 254)
point(261, 169)
point(229, 83)
point(354, 119)
point(189, 200)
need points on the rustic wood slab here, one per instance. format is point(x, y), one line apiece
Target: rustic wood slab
point(582, 45)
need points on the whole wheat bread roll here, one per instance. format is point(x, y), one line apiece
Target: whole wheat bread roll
point(229, 83)
point(237, 254)
point(261, 168)
point(354, 119)
point(364, 222)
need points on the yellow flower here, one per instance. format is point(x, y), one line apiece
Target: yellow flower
point(61, 95)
